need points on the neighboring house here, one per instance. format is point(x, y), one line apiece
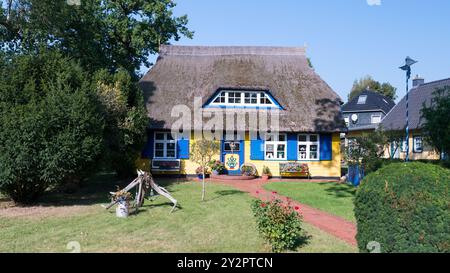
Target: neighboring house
point(395, 121)
point(242, 81)
point(365, 112)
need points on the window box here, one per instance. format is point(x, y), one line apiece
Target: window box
point(166, 165)
point(294, 168)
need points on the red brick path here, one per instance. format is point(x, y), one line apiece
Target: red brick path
point(329, 223)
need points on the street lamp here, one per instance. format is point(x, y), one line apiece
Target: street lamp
point(407, 67)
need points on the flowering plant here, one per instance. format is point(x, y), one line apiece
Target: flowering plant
point(217, 165)
point(248, 169)
point(278, 222)
point(199, 170)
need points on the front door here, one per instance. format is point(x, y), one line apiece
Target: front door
point(232, 155)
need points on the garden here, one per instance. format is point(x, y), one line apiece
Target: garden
point(334, 198)
point(224, 222)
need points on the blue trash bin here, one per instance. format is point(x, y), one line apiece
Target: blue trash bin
point(355, 174)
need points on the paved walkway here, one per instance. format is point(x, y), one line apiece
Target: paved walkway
point(329, 223)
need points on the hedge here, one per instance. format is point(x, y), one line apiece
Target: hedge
point(405, 207)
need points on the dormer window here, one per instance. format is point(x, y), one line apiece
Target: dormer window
point(362, 99)
point(232, 98)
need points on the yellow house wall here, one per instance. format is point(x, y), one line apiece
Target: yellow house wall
point(428, 153)
point(317, 168)
point(188, 166)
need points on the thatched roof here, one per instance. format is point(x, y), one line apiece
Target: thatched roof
point(184, 72)
point(396, 118)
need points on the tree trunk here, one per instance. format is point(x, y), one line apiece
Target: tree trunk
point(203, 185)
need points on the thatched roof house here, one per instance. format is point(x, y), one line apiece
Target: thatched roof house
point(304, 117)
point(184, 72)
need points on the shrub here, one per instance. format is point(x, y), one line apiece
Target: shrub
point(122, 106)
point(266, 171)
point(50, 127)
point(200, 170)
point(366, 150)
point(217, 165)
point(405, 208)
point(278, 223)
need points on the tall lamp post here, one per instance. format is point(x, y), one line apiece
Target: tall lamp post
point(407, 67)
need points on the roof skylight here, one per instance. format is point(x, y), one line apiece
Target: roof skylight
point(362, 99)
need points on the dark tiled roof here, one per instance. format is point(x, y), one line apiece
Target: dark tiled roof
point(182, 73)
point(375, 101)
point(395, 120)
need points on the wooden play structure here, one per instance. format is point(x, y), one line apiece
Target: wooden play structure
point(144, 185)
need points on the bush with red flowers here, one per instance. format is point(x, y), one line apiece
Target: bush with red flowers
point(278, 223)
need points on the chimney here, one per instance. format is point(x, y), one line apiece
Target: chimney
point(418, 81)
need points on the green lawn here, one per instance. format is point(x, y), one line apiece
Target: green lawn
point(334, 198)
point(223, 223)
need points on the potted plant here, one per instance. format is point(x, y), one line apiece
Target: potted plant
point(199, 172)
point(265, 173)
point(217, 167)
point(248, 170)
point(123, 203)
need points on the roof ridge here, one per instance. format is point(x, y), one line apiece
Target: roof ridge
point(433, 82)
point(231, 50)
point(378, 93)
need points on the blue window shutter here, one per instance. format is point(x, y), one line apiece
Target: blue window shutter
point(148, 148)
point(292, 147)
point(325, 147)
point(183, 148)
point(257, 149)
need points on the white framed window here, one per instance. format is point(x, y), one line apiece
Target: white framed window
point(165, 146)
point(243, 98)
point(417, 144)
point(308, 146)
point(264, 99)
point(221, 98)
point(275, 147)
point(376, 118)
point(234, 97)
point(250, 98)
point(347, 120)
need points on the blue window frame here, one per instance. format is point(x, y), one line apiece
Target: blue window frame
point(243, 99)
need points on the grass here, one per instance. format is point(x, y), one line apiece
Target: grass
point(334, 198)
point(224, 223)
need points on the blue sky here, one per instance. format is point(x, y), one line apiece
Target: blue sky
point(346, 39)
